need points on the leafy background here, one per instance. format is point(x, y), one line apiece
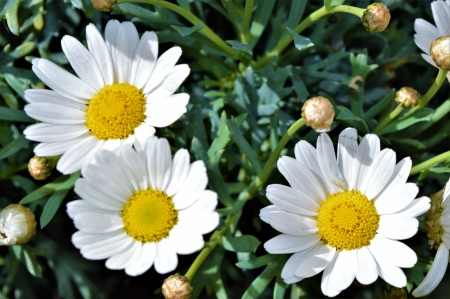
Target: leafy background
point(236, 116)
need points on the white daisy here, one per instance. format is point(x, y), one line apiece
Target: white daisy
point(344, 216)
point(140, 208)
point(439, 266)
point(426, 33)
point(121, 93)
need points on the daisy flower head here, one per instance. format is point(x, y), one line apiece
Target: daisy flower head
point(344, 216)
point(122, 92)
point(427, 33)
point(438, 228)
point(140, 207)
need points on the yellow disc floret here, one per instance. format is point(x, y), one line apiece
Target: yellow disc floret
point(347, 220)
point(115, 111)
point(149, 215)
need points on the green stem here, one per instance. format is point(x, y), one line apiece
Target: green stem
point(388, 119)
point(429, 163)
point(248, 193)
point(246, 22)
point(194, 20)
point(315, 16)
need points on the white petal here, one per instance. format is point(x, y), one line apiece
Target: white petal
point(435, 274)
point(179, 172)
point(293, 224)
point(206, 203)
point(396, 199)
point(95, 196)
point(170, 84)
point(301, 178)
point(367, 150)
point(51, 97)
point(427, 33)
point(163, 66)
point(399, 176)
point(166, 258)
point(185, 242)
point(415, 208)
point(53, 133)
point(62, 81)
point(306, 154)
point(106, 248)
point(290, 244)
point(81, 239)
point(328, 164)
point(430, 60)
point(143, 261)
point(73, 159)
point(142, 132)
point(167, 111)
point(288, 272)
point(159, 163)
point(82, 62)
point(388, 271)
point(378, 174)
point(326, 285)
point(399, 228)
point(98, 223)
point(123, 259)
point(266, 213)
point(393, 251)
point(55, 114)
point(344, 270)
point(76, 207)
point(193, 186)
point(137, 167)
point(99, 50)
point(441, 15)
point(199, 222)
point(315, 260)
point(112, 27)
point(57, 148)
point(144, 59)
point(366, 268)
point(346, 152)
point(127, 40)
point(292, 200)
point(447, 191)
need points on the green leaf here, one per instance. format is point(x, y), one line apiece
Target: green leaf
point(343, 113)
point(184, 4)
point(260, 19)
point(16, 84)
point(380, 105)
point(360, 66)
point(8, 96)
point(24, 49)
point(237, 45)
point(221, 140)
point(185, 31)
point(330, 3)
point(55, 200)
point(45, 190)
point(440, 169)
point(402, 122)
point(15, 115)
point(9, 9)
point(300, 42)
point(238, 138)
point(299, 87)
point(244, 243)
point(262, 281)
point(410, 142)
point(31, 262)
point(255, 263)
point(280, 288)
point(15, 146)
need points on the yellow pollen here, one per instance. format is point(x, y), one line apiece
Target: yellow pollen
point(149, 215)
point(115, 111)
point(347, 220)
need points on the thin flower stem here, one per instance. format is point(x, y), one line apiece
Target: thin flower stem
point(315, 16)
point(247, 194)
point(247, 20)
point(429, 163)
point(388, 119)
point(194, 20)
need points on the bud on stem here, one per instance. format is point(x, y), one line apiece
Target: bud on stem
point(407, 97)
point(177, 287)
point(376, 17)
point(318, 113)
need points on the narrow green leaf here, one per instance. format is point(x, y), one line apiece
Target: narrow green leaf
point(238, 138)
point(380, 105)
point(261, 282)
point(45, 190)
point(300, 42)
point(255, 263)
point(244, 243)
point(260, 19)
point(237, 45)
point(15, 146)
point(184, 4)
point(20, 51)
point(15, 115)
point(440, 169)
point(16, 84)
point(345, 114)
point(55, 200)
point(9, 10)
point(220, 141)
point(411, 142)
point(185, 31)
point(31, 262)
point(299, 87)
point(402, 122)
point(8, 96)
point(280, 288)
point(196, 126)
point(360, 66)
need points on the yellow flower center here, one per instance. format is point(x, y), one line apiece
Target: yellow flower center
point(347, 220)
point(115, 111)
point(149, 215)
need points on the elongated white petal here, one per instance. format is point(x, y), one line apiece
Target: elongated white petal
point(54, 133)
point(328, 164)
point(315, 260)
point(122, 260)
point(416, 208)
point(292, 200)
point(98, 223)
point(396, 199)
point(441, 15)
point(180, 169)
point(344, 271)
point(365, 155)
point(144, 59)
point(306, 154)
point(290, 244)
point(170, 84)
point(167, 111)
point(163, 66)
point(73, 159)
point(326, 285)
point(143, 260)
point(395, 252)
point(51, 97)
point(99, 51)
point(193, 186)
point(293, 224)
point(399, 228)
point(55, 114)
point(166, 258)
point(388, 271)
point(366, 268)
point(346, 152)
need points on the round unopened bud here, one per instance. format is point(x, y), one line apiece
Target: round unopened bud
point(433, 225)
point(440, 52)
point(177, 287)
point(392, 292)
point(318, 113)
point(407, 97)
point(103, 5)
point(17, 225)
point(376, 17)
point(40, 168)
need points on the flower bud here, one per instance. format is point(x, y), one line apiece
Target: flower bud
point(376, 17)
point(433, 225)
point(407, 97)
point(177, 287)
point(440, 52)
point(103, 5)
point(17, 225)
point(318, 113)
point(40, 168)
